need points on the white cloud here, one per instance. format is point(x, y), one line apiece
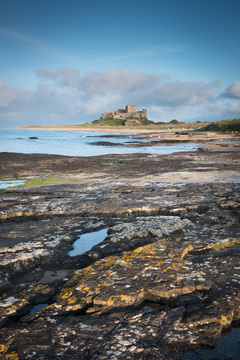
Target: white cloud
point(7, 95)
point(75, 98)
point(208, 112)
point(106, 82)
point(173, 93)
point(233, 91)
point(139, 87)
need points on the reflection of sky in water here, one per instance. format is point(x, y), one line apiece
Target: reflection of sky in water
point(76, 143)
point(86, 241)
point(5, 184)
point(228, 348)
point(38, 307)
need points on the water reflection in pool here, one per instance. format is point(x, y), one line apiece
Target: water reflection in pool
point(228, 348)
point(38, 307)
point(7, 183)
point(86, 241)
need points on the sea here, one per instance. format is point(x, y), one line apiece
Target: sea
point(78, 143)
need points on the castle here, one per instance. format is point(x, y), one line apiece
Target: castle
point(128, 112)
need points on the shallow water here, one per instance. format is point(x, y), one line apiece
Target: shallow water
point(228, 348)
point(38, 307)
point(5, 184)
point(76, 143)
point(86, 241)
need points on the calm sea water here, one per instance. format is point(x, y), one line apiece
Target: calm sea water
point(75, 143)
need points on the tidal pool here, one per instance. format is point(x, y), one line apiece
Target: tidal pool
point(38, 307)
point(228, 348)
point(86, 241)
point(7, 183)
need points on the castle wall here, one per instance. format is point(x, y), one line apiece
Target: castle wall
point(129, 111)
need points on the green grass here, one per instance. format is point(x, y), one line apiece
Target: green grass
point(144, 124)
point(223, 126)
point(117, 164)
point(120, 124)
point(108, 122)
point(226, 244)
point(39, 169)
point(48, 180)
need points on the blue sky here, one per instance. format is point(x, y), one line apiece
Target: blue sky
point(65, 62)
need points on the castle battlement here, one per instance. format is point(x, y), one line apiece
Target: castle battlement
point(128, 112)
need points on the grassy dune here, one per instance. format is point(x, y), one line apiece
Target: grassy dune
point(145, 125)
point(224, 126)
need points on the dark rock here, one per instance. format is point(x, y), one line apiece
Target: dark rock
point(5, 286)
point(172, 246)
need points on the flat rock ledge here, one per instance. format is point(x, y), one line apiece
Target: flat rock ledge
point(164, 281)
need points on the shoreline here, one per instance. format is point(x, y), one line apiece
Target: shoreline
point(110, 130)
point(100, 129)
point(168, 135)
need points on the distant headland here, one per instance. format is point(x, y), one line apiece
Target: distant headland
point(132, 120)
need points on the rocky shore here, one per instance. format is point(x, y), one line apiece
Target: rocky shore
point(165, 280)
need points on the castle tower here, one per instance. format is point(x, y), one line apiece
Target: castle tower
point(130, 109)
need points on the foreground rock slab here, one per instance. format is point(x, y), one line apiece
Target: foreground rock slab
point(164, 281)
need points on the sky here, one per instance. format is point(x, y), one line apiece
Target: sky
point(68, 61)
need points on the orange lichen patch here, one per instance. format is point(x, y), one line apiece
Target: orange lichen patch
point(178, 238)
point(41, 288)
point(51, 306)
point(226, 320)
point(3, 348)
point(80, 287)
point(228, 204)
point(192, 207)
point(223, 320)
point(140, 291)
point(12, 356)
point(126, 298)
point(65, 294)
point(72, 300)
point(110, 301)
point(86, 288)
point(119, 300)
point(102, 282)
point(186, 251)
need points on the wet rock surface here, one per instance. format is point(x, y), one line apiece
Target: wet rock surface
point(165, 280)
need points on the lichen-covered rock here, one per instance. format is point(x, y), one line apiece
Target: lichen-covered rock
point(165, 280)
point(144, 227)
point(142, 230)
point(19, 305)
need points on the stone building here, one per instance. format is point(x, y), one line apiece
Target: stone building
point(128, 112)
